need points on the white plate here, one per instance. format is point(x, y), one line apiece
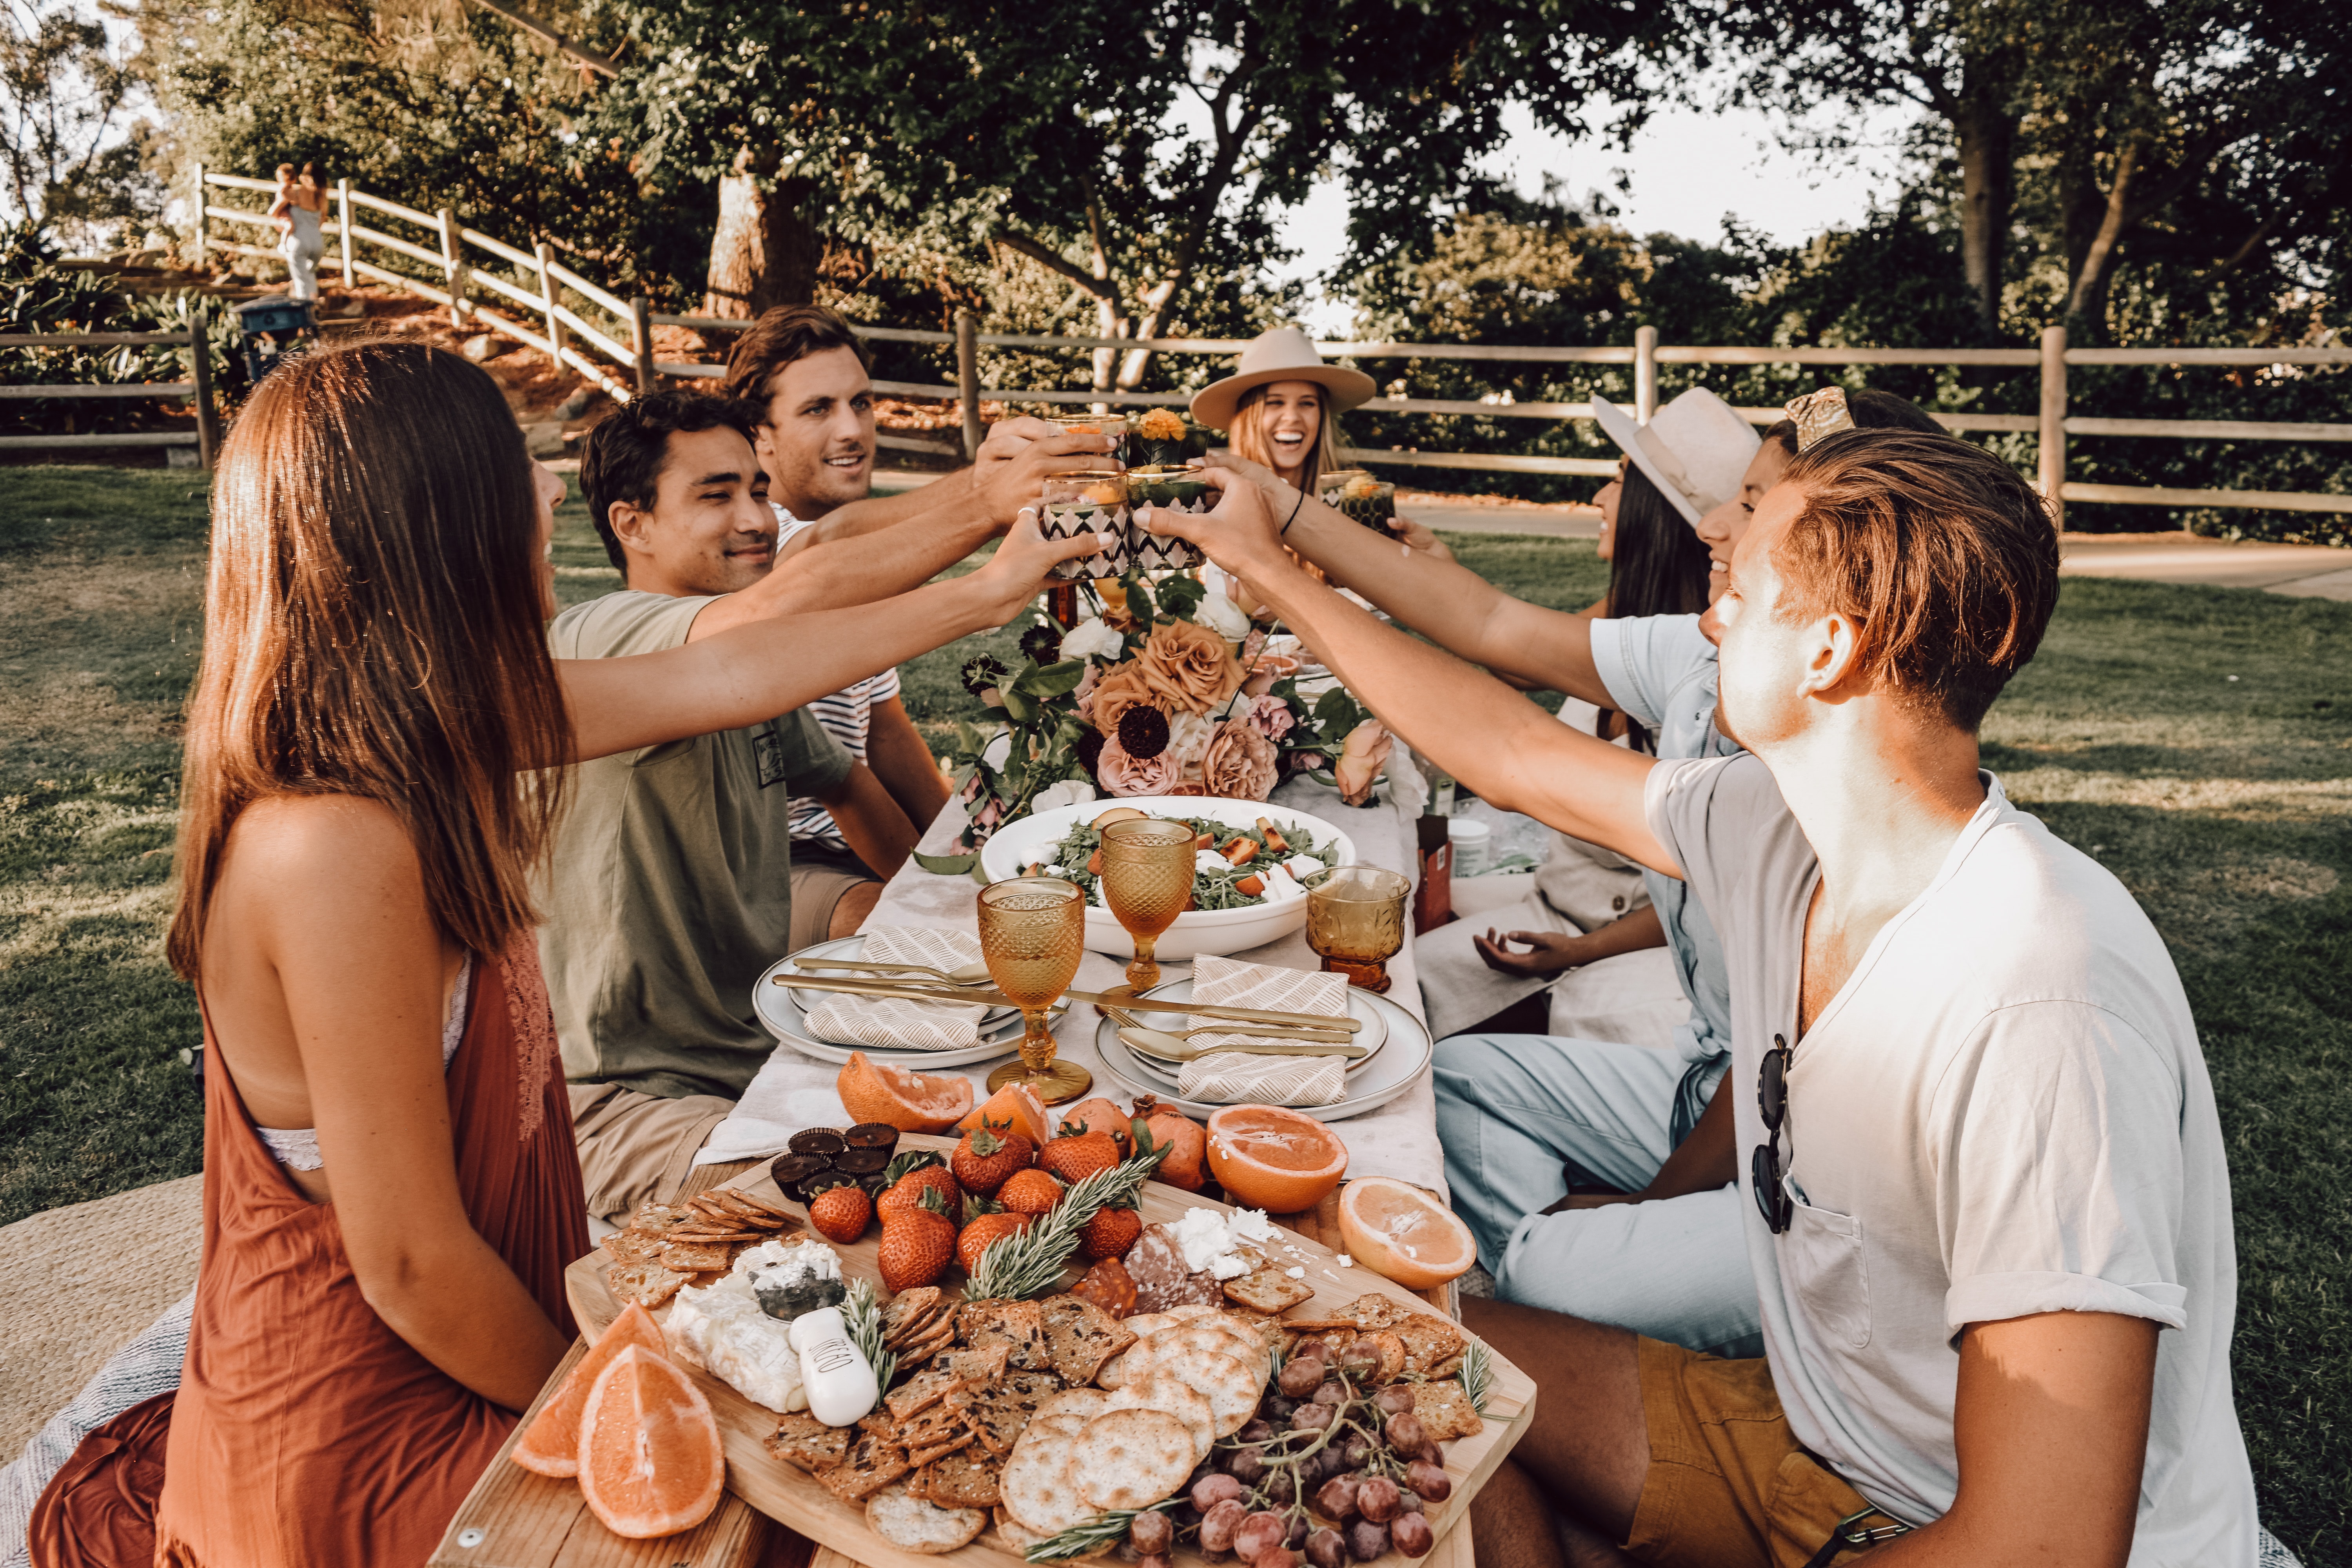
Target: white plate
point(810, 960)
point(1371, 1036)
point(1395, 1068)
point(1031, 838)
point(779, 1009)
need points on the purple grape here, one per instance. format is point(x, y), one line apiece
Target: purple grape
point(1155, 1560)
point(1327, 1549)
point(1255, 1432)
point(1258, 1534)
point(1356, 1450)
point(1367, 1542)
point(1379, 1499)
point(1300, 1375)
point(1432, 1453)
point(1152, 1533)
point(1246, 1465)
point(1337, 1498)
point(1274, 1407)
point(1395, 1399)
point(1275, 1557)
point(1413, 1535)
point(1295, 1537)
point(1218, 1525)
point(1311, 1417)
point(1405, 1433)
point(1429, 1482)
point(1279, 1486)
point(1332, 1392)
point(1210, 1490)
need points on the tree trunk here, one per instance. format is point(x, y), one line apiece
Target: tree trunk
point(2089, 298)
point(1987, 134)
point(764, 253)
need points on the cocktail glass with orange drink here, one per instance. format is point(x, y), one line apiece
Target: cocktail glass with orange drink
point(1114, 426)
point(1092, 501)
point(1032, 933)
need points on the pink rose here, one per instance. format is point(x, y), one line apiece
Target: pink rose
point(1309, 761)
point(989, 815)
point(1361, 759)
point(1270, 716)
point(1240, 762)
point(1084, 696)
point(1120, 773)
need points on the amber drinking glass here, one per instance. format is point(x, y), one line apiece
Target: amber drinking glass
point(1147, 877)
point(1355, 919)
point(1033, 932)
point(1111, 425)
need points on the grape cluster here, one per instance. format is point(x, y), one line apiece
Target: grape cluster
point(1325, 1473)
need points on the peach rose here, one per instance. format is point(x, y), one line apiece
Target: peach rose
point(1189, 667)
point(1240, 764)
point(1270, 716)
point(1360, 758)
point(1120, 773)
point(1122, 687)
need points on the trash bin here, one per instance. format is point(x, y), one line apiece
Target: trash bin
point(268, 329)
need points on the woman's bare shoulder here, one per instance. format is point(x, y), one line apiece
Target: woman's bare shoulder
point(327, 840)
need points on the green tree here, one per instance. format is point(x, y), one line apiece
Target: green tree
point(72, 145)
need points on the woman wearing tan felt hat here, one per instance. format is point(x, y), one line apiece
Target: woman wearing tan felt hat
point(1279, 409)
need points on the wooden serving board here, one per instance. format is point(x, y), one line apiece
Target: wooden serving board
point(785, 1493)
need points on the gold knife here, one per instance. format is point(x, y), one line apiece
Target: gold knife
point(991, 997)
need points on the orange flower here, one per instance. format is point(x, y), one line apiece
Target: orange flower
point(1240, 762)
point(1122, 687)
point(1189, 668)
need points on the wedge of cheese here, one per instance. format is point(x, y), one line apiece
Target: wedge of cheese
point(722, 1331)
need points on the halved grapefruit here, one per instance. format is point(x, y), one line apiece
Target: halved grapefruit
point(1396, 1230)
point(1273, 1158)
point(551, 1444)
point(650, 1459)
point(908, 1101)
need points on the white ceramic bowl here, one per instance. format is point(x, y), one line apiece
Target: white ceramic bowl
point(1031, 838)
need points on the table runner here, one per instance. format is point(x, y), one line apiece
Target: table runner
point(1400, 1139)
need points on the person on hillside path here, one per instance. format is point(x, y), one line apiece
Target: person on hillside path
point(299, 204)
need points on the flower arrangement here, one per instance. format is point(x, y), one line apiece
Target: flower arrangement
point(1162, 688)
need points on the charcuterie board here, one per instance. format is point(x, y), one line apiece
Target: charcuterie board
point(787, 1494)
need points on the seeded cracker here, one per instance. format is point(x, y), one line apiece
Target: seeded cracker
point(801, 1439)
point(1445, 1412)
point(1080, 1337)
point(647, 1284)
point(870, 1466)
point(913, 1523)
point(964, 1479)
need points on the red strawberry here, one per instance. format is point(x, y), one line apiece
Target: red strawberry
point(908, 1191)
point(1110, 1233)
point(1029, 1192)
point(917, 1244)
point(983, 1231)
point(841, 1214)
point(1075, 1156)
point(987, 1156)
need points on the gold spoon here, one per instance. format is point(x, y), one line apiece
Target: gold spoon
point(1325, 1036)
point(963, 974)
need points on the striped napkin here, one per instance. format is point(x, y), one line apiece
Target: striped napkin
point(895, 1024)
point(1228, 982)
point(1234, 1077)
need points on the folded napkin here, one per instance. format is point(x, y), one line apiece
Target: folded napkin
point(1234, 1078)
point(1228, 982)
point(889, 1023)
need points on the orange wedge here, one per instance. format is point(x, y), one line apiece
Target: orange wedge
point(650, 1460)
point(1396, 1230)
point(551, 1445)
point(1274, 1159)
point(1016, 1107)
point(908, 1101)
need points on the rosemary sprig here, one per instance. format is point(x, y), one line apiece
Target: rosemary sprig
point(1477, 1375)
point(862, 1314)
point(1102, 1530)
point(1030, 1262)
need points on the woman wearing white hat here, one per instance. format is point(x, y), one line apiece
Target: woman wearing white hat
point(1280, 409)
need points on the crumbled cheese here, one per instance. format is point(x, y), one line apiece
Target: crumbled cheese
point(1210, 1242)
point(1227, 1266)
point(1304, 866)
point(1250, 1227)
point(1296, 1271)
point(780, 1264)
point(1346, 1261)
point(722, 1330)
point(1210, 860)
point(1201, 1235)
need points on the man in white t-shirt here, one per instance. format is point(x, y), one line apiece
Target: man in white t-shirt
point(1989, 1211)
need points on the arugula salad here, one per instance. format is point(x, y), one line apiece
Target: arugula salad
point(1235, 868)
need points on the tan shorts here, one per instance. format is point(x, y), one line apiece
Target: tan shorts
point(819, 880)
point(637, 1148)
point(1729, 1486)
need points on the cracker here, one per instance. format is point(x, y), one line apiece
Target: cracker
point(1268, 1290)
point(1445, 1412)
point(801, 1439)
point(1001, 1412)
point(1185, 1309)
point(1132, 1458)
point(957, 1369)
point(693, 1257)
point(924, 1456)
point(1039, 1486)
point(870, 1464)
point(908, 1310)
point(1173, 1396)
point(1085, 1402)
point(646, 1284)
point(914, 1523)
point(632, 1247)
point(1057, 1425)
point(1233, 1387)
point(1141, 1324)
point(654, 1218)
point(966, 1478)
point(1080, 1336)
point(1019, 1326)
point(1218, 1335)
point(1374, 1312)
point(1391, 1351)
point(937, 1425)
point(1429, 1342)
point(1016, 1535)
point(1113, 1373)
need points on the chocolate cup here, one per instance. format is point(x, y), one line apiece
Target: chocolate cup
point(862, 1162)
point(873, 1135)
point(789, 1171)
point(821, 1141)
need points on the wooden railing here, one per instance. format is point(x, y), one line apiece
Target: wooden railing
point(547, 292)
point(196, 389)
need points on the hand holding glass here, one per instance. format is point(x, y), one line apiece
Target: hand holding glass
point(1147, 877)
point(1032, 934)
point(1355, 920)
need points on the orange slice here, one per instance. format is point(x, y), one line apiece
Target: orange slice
point(551, 1445)
point(908, 1101)
point(650, 1460)
point(1016, 1107)
point(1274, 1159)
point(1395, 1230)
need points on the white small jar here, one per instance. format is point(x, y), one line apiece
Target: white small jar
point(1473, 844)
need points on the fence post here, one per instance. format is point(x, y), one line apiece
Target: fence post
point(2054, 422)
point(344, 206)
point(968, 382)
point(547, 298)
point(641, 336)
point(453, 266)
point(1645, 373)
point(200, 372)
point(203, 223)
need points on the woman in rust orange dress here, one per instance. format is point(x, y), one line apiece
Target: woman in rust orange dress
point(391, 1191)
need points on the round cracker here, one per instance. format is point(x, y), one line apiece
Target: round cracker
point(1177, 1398)
point(1171, 1345)
point(1089, 1402)
point(1132, 1458)
point(916, 1525)
point(1067, 1424)
point(1231, 1386)
point(1189, 1309)
point(1144, 1324)
point(1040, 1484)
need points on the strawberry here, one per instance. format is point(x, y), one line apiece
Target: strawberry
point(841, 1214)
point(987, 1156)
point(1030, 1192)
point(908, 1189)
point(917, 1244)
point(983, 1231)
point(1110, 1233)
point(1075, 1156)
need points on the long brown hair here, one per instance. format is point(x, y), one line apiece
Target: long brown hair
point(373, 627)
point(1246, 435)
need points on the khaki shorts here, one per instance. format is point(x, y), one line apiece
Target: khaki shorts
point(819, 880)
point(1729, 1486)
point(637, 1148)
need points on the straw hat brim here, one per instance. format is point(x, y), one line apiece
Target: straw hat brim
point(1214, 404)
point(1622, 428)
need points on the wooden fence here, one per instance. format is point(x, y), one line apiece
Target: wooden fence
point(197, 389)
point(553, 297)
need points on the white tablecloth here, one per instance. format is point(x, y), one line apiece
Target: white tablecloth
point(1400, 1139)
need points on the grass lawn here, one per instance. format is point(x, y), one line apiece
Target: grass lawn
point(2199, 742)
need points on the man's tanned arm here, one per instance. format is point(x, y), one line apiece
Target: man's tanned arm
point(901, 758)
point(871, 823)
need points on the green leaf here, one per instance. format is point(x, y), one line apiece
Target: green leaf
point(946, 865)
point(1052, 679)
point(1017, 704)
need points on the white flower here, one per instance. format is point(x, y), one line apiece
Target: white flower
point(1188, 736)
point(1090, 639)
point(1222, 616)
point(999, 751)
point(1069, 792)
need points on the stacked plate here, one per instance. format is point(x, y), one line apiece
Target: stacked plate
point(1397, 1046)
point(785, 1013)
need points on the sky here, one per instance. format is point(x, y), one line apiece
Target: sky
point(1689, 169)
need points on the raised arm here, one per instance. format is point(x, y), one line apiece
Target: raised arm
point(1437, 595)
point(1511, 751)
point(771, 665)
point(1008, 441)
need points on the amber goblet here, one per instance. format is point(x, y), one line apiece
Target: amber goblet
point(1355, 920)
point(1147, 877)
point(1032, 933)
